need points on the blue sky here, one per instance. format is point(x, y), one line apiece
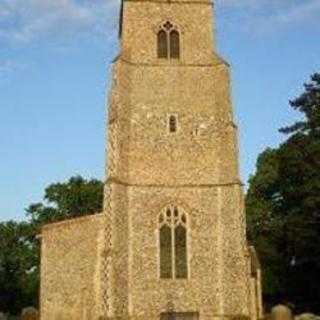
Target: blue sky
point(54, 70)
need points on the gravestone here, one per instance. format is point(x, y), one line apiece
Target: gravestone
point(307, 316)
point(3, 316)
point(281, 312)
point(30, 314)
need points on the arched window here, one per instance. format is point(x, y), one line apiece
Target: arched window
point(168, 42)
point(173, 243)
point(162, 44)
point(174, 44)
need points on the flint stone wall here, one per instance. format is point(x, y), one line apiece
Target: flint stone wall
point(196, 168)
point(70, 269)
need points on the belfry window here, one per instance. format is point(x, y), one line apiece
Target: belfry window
point(173, 244)
point(174, 44)
point(162, 44)
point(168, 42)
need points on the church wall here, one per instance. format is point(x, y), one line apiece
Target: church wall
point(118, 282)
point(142, 21)
point(70, 269)
point(199, 98)
point(255, 284)
point(235, 280)
point(259, 294)
point(195, 168)
point(118, 128)
point(210, 289)
point(253, 300)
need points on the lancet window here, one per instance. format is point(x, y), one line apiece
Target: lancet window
point(173, 243)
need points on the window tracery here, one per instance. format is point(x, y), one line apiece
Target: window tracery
point(173, 243)
point(168, 41)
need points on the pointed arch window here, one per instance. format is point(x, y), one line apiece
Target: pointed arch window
point(174, 44)
point(173, 243)
point(162, 44)
point(168, 42)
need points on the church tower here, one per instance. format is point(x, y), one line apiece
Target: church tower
point(175, 224)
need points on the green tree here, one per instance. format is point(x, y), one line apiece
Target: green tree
point(308, 104)
point(74, 198)
point(19, 248)
point(19, 266)
point(283, 208)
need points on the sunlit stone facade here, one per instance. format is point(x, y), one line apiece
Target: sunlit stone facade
point(172, 166)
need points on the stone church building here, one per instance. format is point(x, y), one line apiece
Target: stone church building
point(171, 242)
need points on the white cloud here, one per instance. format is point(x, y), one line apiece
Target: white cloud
point(27, 20)
point(267, 15)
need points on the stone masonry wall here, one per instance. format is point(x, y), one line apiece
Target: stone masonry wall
point(70, 269)
point(217, 283)
point(195, 168)
point(203, 151)
point(141, 22)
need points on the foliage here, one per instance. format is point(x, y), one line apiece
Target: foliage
point(72, 199)
point(283, 212)
point(308, 104)
point(19, 267)
point(19, 248)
